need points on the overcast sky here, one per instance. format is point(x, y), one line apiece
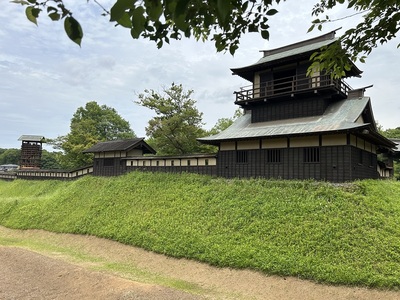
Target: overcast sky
point(45, 77)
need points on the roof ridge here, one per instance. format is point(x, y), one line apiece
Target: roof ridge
point(327, 36)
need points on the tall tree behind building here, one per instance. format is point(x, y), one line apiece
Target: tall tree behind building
point(177, 123)
point(89, 125)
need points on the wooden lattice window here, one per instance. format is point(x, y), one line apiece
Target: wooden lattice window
point(311, 155)
point(273, 156)
point(241, 156)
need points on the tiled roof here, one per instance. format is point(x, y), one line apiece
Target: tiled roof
point(120, 145)
point(339, 116)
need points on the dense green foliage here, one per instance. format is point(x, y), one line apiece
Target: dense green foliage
point(10, 156)
point(380, 24)
point(341, 234)
point(394, 133)
point(50, 160)
point(224, 123)
point(177, 124)
point(225, 21)
point(90, 124)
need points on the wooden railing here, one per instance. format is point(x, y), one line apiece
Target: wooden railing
point(290, 85)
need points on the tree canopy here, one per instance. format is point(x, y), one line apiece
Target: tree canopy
point(177, 123)
point(224, 123)
point(392, 133)
point(10, 156)
point(225, 21)
point(89, 125)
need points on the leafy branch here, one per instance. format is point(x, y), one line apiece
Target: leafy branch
point(56, 11)
point(380, 24)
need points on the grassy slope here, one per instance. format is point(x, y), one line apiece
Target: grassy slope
point(347, 235)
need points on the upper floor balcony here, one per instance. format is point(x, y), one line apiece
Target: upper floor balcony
point(291, 87)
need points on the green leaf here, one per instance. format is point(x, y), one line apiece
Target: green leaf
point(155, 10)
point(181, 8)
point(22, 2)
point(119, 8)
point(125, 20)
point(138, 22)
point(54, 16)
point(272, 12)
point(265, 34)
point(224, 9)
point(51, 9)
point(35, 12)
point(180, 22)
point(32, 13)
point(73, 30)
point(253, 28)
point(232, 49)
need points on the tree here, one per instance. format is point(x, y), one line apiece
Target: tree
point(225, 21)
point(90, 125)
point(394, 133)
point(10, 156)
point(380, 24)
point(50, 160)
point(177, 123)
point(224, 123)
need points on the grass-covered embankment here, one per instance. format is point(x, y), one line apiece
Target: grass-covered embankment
point(334, 234)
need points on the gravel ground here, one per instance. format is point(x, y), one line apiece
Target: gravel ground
point(56, 274)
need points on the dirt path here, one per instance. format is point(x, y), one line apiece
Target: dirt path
point(64, 266)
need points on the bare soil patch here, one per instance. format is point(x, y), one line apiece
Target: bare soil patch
point(65, 266)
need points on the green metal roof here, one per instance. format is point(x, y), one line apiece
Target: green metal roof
point(302, 50)
point(294, 51)
point(339, 116)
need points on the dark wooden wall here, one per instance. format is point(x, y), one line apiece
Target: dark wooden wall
point(101, 169)
point(364, 164)
point(336, 164)
point(294, 108)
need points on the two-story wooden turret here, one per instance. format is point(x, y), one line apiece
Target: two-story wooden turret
point(297, 126)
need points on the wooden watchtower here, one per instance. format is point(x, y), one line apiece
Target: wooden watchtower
point(31, 151)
